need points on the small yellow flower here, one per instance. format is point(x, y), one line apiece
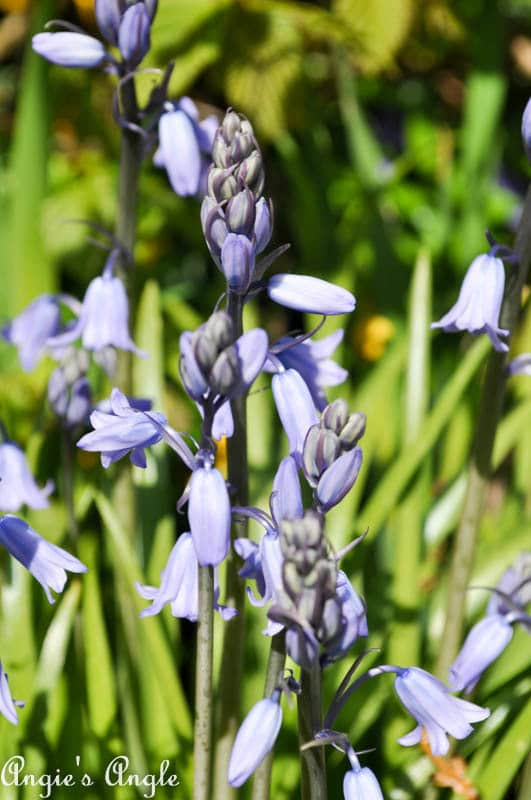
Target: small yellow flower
point(372, 335)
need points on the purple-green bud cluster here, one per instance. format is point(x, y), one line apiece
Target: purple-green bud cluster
point(337, 433)
point(236, 219)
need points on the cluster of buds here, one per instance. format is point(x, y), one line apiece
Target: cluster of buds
point(124, 24)
point(213, 365)
point(236, 219)
point(331, 459)
point(320, 607)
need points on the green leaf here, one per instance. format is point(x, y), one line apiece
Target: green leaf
point(508, 755)
point(54, 647)
point(99, 669)
point(150, 633)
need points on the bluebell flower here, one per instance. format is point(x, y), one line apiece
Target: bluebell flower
point(209, 514)
point(67, 49)
point(484, 643)
point(31, 329)
point(7, 704)
point(46, 562)
point(360, 783)
point(429, 701)
point(108, 15)
point(134, 34)
point(179, 585)
point(72, 402)
point(309, 294)
point(311, 359)
point(126, 429)
point(184, 146)
point(295, 408)
point(477, 309)
point(104, 316)
point(521, 365)
point(17, 484)
point(353, 614)
point(237, 262)
point(255, 738)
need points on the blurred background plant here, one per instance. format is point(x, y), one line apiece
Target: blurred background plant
point(391, 134)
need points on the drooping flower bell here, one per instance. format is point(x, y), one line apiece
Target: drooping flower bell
point(295, 408)
point(32, 328)
point(255, 738)
point(179, 585)
point(477, 309)
point(46, 562)
point(360, 783)
point(8, 706)
point(104, 316)
point(185, 144)
point(209, 515)
point(17, 484)
point(70, 49)
point(526, 129)
point(435, 710)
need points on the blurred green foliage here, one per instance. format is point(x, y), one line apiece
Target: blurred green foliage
point(390, 132)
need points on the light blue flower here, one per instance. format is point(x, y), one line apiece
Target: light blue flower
point(295, 408)
point(360, 783)
point(184, 146)
point(179, 585)
point(46, 562)
point(67, 49)
point(7, 704)
point(429, 701)
point(17, 484)
point(477, 309)
point(30, 330)
point(124, 429)
point(309, 294)
point(209, 514)
point(484, 643)
point(104, 317)
point(255, 738)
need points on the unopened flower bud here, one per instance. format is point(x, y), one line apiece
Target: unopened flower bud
point(225, 373)
point(219, 327)
point(242, 146)
point(251, 173)
point(353, 431)
point(331, 623)
point(134, 34)
point(237, 262)
point(335, 415)
point(230, 125)
point(263, 224)
point(240, 213)
point(206, 351)
point(221, 184)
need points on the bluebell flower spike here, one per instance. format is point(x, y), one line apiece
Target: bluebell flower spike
point(45, 561)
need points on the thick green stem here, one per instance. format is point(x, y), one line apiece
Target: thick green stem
point(228, 718)
point(275, 668)
point(480, 468)
point(313, 770)
point(203, 687)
